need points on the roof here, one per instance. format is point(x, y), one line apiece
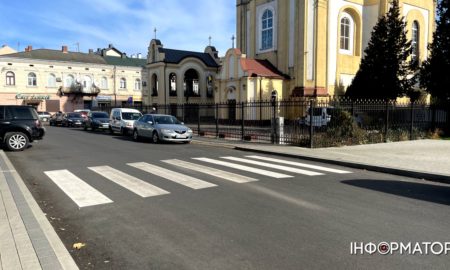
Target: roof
point(126, 61)
point(176, 56)
point(262, 68)
point(56, 55)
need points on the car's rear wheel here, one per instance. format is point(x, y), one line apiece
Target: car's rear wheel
point(16, 141)
point(136, 136)
point(155, 137)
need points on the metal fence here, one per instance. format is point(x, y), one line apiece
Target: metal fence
point(309, 123)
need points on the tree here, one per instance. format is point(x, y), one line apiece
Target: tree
point(385, 70)
point(434, 74)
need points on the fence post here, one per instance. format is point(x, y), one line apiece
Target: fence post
point(217, 120)
point(411, 128)
point(242, 120)
point(198, 119)
point(273, 127)
point(386, 126)
point(311, 124)
point(182, 111)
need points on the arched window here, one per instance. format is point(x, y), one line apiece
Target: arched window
point(10, 78)
point(87, 82)
point(154, 85)
point(123, 83)
point(191, 81)
point(415, 41)
point(267, 30)
point(104, 83)
point(346, 34)
point(137, 85)
point(173, 84)
point(32, 79)
point(69, 81)
point(51, 80)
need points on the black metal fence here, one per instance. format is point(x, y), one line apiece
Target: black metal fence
point(310, 123)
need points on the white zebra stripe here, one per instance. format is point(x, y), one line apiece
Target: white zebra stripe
point(320, 168)
point(179, 178)
point(79, 191)
point(129, 182)
point(274, 166)
point(211, 171)
point(244, 168)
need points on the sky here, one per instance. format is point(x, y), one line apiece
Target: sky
point(127, 24)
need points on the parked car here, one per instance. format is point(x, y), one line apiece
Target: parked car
point(97, 120)
point(72, 120)
point(83, 112)
point(320, 117)
point(122, 119)
point(56, 119)
point(44, 116)
point(19, 126)
point(161, 127)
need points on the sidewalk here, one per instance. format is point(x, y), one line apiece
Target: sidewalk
point(424, 159)
point(27, 239)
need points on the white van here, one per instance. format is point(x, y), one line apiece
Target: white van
point(122, 119)
point(320, 117)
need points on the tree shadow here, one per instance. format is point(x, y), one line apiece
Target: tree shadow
point(425, 192)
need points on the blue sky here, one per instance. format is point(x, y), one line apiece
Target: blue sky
point(127, 24)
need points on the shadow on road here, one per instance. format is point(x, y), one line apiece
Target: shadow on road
point(418, 191)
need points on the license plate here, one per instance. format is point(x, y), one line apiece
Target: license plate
point(181, 137)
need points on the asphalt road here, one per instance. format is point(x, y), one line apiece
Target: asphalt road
point(300, 222)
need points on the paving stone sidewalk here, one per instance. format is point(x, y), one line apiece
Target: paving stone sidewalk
point(28, 241)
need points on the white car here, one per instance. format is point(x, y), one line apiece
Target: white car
point(122, 119)
point(44, 116)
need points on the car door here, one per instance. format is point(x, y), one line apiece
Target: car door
point(4, 123)
point(149, 124)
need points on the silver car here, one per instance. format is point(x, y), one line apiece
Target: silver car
point(161, 127)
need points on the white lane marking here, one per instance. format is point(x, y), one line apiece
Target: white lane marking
point(237, 178)
point(320, 168)
point(79, 191)
point(274, 166)
point(179, 178)
point(244, 168)
point(129, 182)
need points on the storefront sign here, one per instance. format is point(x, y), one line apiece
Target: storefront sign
point(32, 97)
point(103, 98)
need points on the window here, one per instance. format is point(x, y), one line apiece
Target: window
point(173, 84)
point(123, 83)
point(87, 82)
point(267, 30)
point(10, 78)
point(51, 80)
point(346, 34)
point(32, 79)
point(415, 41)
point(137, 84)
point(104, 83)
point(68, 82)
point(154, 85)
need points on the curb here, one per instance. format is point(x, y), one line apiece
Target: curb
point(38, 225)
point(413, 174)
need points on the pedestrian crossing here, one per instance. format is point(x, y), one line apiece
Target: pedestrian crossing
point(178, 171)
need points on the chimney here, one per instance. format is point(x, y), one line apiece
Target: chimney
point(91, 51)
point(64, 49)
point(110, 46)
point(29, 48)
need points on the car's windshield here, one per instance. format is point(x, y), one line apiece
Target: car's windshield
point(74, 115)
point(131, 116)
point(166, 119)
point(100, 115)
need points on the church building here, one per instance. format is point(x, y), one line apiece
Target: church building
point(314, 45)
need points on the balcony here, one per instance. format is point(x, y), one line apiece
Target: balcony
point(79, 89)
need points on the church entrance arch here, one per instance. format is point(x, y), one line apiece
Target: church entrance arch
point(231, 101)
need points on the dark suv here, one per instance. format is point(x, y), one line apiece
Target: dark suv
point(19, 125)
